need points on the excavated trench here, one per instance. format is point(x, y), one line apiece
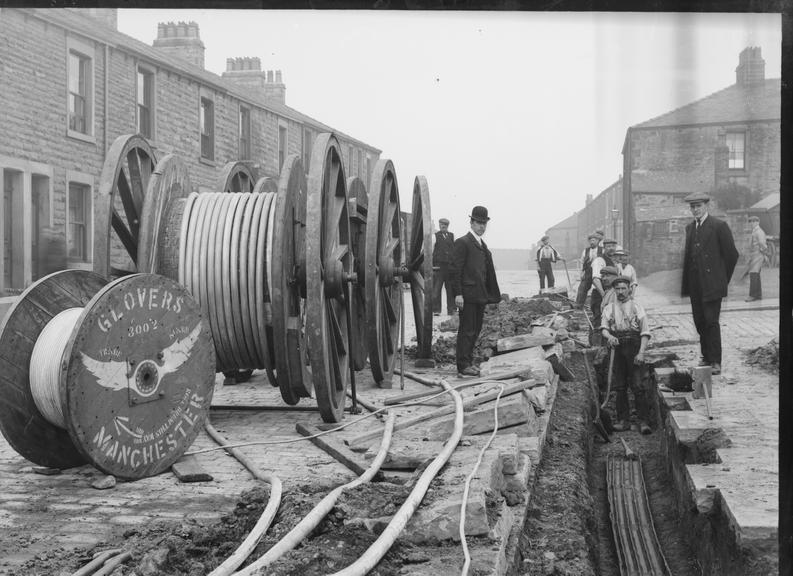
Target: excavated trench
point(568, 531)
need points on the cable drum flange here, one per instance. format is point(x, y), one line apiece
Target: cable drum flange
point(138, 376)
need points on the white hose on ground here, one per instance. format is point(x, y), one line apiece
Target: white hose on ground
point(249, 544)
point(470, 477)
point(315, 516)
point(380, 547)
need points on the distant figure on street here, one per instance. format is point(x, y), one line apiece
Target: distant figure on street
point(626, 330)
point(605, 259)
point(442, 256)
point(758, 248)
point(587, 257)
point(474, 285)
point(546, 256)
point(626, 269)
point(709, 261)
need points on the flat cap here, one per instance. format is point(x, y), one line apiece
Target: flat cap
point(620, 251)
point(609, 241)
point(599, 233)
point(544, 238)
point(621, 280)
point(443, 221)
point(610, 270)
point(594, 235)
point(697, 197)
point(753, 219)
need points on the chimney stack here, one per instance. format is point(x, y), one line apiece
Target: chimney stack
point(247, 72)
point(107, 16)
point(751, 67)
point(181, 40)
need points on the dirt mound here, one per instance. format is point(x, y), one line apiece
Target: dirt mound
point(765, 357)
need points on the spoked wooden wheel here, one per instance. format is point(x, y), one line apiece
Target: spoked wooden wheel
point(161, 217)
point(267, 185)
point(419, 265)
point(329, 268)
point(236, 177)
point(358, 202)
point(122, 187)
point(383, 261)
point(288, 283)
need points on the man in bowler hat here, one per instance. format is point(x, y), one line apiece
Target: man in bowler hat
point(709, 261)
point(442, 258)
point(474, 285)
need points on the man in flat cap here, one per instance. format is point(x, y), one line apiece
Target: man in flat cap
point(626, 269)
point(546, 256)
point(605, 259)
point(587, 257)
point(758, 248)
point(442, 258)
point(474, 285)
point(625, 329)
point(709, 261)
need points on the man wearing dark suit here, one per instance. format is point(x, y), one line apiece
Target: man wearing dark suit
point(442, 258)
point(474, 285)
point(710, 258)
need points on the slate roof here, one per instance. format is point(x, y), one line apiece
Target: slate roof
point(767, 203)
point(735, 103)
point(669, 182)
point(78, 21)
point(569, 222)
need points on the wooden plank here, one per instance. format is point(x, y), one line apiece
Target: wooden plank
point(523, 341)
point(189, 470)
point(337, 449)
point(416, 395)
point(510, 413)
point(366, 438)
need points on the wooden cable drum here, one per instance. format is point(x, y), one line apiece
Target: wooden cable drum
point(236, 177)
point(222, 249)
point(419, 265)
point(383, 271)
point(358, 204)
point(329, 270)
point(118, 375)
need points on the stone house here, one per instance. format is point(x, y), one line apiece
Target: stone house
point(728, 139)
point(71, 84)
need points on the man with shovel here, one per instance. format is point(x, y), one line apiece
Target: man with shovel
point(626, 331)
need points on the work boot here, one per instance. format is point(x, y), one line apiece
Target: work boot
point(644, 428)
point(715, 368)
point(468, 371)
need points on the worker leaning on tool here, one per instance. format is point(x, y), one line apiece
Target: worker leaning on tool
point(624, 327)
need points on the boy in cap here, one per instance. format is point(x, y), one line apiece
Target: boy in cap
point(546, 256)
point(625, 329)
point(758, 248)
point(709, 261)
point(625, 269)
point(442, 258)
point(587, 257)
point(474, 285)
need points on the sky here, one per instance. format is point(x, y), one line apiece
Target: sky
point(524, 113)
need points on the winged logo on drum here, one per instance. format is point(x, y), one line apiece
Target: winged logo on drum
point(114, 375)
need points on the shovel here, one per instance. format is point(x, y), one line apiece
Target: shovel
point(599, 426)
point(566, 271)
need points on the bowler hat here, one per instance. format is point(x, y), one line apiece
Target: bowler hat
point(599, 233)
point(544, 238)
point(609, 241)
point(697, 197)
point(621, 280)
point(479, 213)
point(443, 221)
point(754, 219)
point(611, 270)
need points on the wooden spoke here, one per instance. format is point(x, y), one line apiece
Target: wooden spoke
point(329, 265)
point(236, 177)
point(384, 257)
point(122, 189)
point(420, 266)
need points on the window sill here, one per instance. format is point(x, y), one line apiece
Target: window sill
point(207, 161)
point(80, 136)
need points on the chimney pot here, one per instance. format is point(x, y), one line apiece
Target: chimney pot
point(278, 76)
point(269, 75)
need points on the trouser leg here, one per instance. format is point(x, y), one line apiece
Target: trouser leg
point(551, 279)
point(641, 383)
point(437, 286)
point(698, 314)
point(711, 334)
point(755, 289)
point(541, 274)
point(471, 317)
point(583, 289)
point(451, 307)
point(619, 386)
point(596, 302)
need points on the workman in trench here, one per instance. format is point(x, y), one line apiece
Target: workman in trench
point(625, 329)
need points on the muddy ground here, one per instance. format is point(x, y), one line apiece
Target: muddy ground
point(568, 531)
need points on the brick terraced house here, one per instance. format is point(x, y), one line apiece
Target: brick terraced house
point(726, 145)
point(71, 84)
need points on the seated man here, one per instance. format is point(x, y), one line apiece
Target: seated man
point(624, 327)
